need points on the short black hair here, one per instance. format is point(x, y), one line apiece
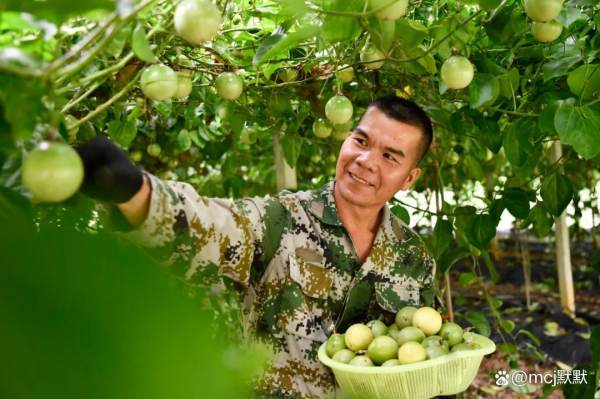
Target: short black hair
point(408, 112)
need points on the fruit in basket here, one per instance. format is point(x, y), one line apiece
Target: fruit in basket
point(452, 332)
point(411, 352)
point(335, 343)
point(464, 346)
point(472, 338)
point(404, 316)
point(361, 361)
point(428, 320)
point(378, 327)
point(435, 340)
point(382, 349)
point(434, 351)
point(344, 356)
point(410, 333)
point(391, 362)
point(358, 337)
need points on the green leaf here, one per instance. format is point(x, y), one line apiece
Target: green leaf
point(480, 230)
point(507, 325)
point(517, 146)
point(466, 279)
point(449, 258)
point(585, 81)
point(542, 221)
point(474, 168)
point(338, 28)
point(580, 128)
point(383, 34)
point(21, 103)
point(122, 132)
point(442, 237)
point(401, 212)
point(488, 5)
point(546, 120)
point(280, 43)
point(56, 10)
point(410, 33)
point(507, 25)
point(117, 44)
point(140, 46)
point(483, 90)
point(479, 321)
point(559, 67)
point(516, 201)
point(509, 83)
point(530, 335)
point(293, 8)
point(488, 132)
point(557, 192)
point(291, 144)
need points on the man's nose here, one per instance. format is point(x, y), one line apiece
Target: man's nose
point(367, 160)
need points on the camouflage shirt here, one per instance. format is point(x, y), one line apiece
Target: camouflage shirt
point(295, 263)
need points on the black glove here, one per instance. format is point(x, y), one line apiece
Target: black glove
point(109, 174)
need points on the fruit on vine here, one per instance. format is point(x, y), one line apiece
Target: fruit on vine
point(361, 361)
point(288, 75)
point(358, 337)
point(428, 320)
point(390, 13)
point(229, 85)
point(408, 334)
point(340, 135)
point(382, 348)
point(184, 141)
point(345, 74)
point(452, 333)
point(344, 356)
point(154, 150)
point(543, 10)
point(452, 157)
point(338, 109)
point(457, 72)
point(184, 85)
point(197, 21)
point(321, 128)
point(159, 82)
point(248, 135)
point(546, 31)
point(52, 172)
point(335, 343)
point(370, 56)
point(136, 156)
point(378, 328)
point(404, 316)
point(411, 352)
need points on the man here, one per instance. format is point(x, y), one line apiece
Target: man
point(308, 263)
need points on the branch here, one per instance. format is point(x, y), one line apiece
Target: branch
point(107, 104)
point(353, 14)
point(76, 101)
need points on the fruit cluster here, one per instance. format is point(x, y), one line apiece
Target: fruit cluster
point(415, 336)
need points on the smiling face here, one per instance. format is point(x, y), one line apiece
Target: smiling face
point(378, 159)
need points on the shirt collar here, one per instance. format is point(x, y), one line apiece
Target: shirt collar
point(322, 206)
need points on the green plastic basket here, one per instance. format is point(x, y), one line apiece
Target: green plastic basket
point(445, 375)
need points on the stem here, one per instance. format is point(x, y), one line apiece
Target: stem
point(76, 50)
point(108, 103)
point(353, 14)
point(82, 63)
point(438, 43)
point(514, 112)
point(76, 101)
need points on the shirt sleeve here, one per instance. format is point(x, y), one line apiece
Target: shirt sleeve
point(203, 238)
point(428, 290)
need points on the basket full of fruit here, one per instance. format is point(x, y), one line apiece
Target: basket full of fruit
point(418, 356)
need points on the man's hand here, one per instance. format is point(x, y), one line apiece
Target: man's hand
point(111, 177)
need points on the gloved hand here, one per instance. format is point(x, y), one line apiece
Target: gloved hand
point(109, 174)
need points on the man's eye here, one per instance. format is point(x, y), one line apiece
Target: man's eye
point(361, 141)
point(389, 157)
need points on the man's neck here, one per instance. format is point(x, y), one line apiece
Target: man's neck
point(356, 218)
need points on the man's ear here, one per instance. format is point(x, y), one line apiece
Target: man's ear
point(413, 175)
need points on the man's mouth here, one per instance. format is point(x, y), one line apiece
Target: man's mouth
point(359, 180)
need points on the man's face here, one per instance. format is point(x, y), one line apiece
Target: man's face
point(378, 159)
